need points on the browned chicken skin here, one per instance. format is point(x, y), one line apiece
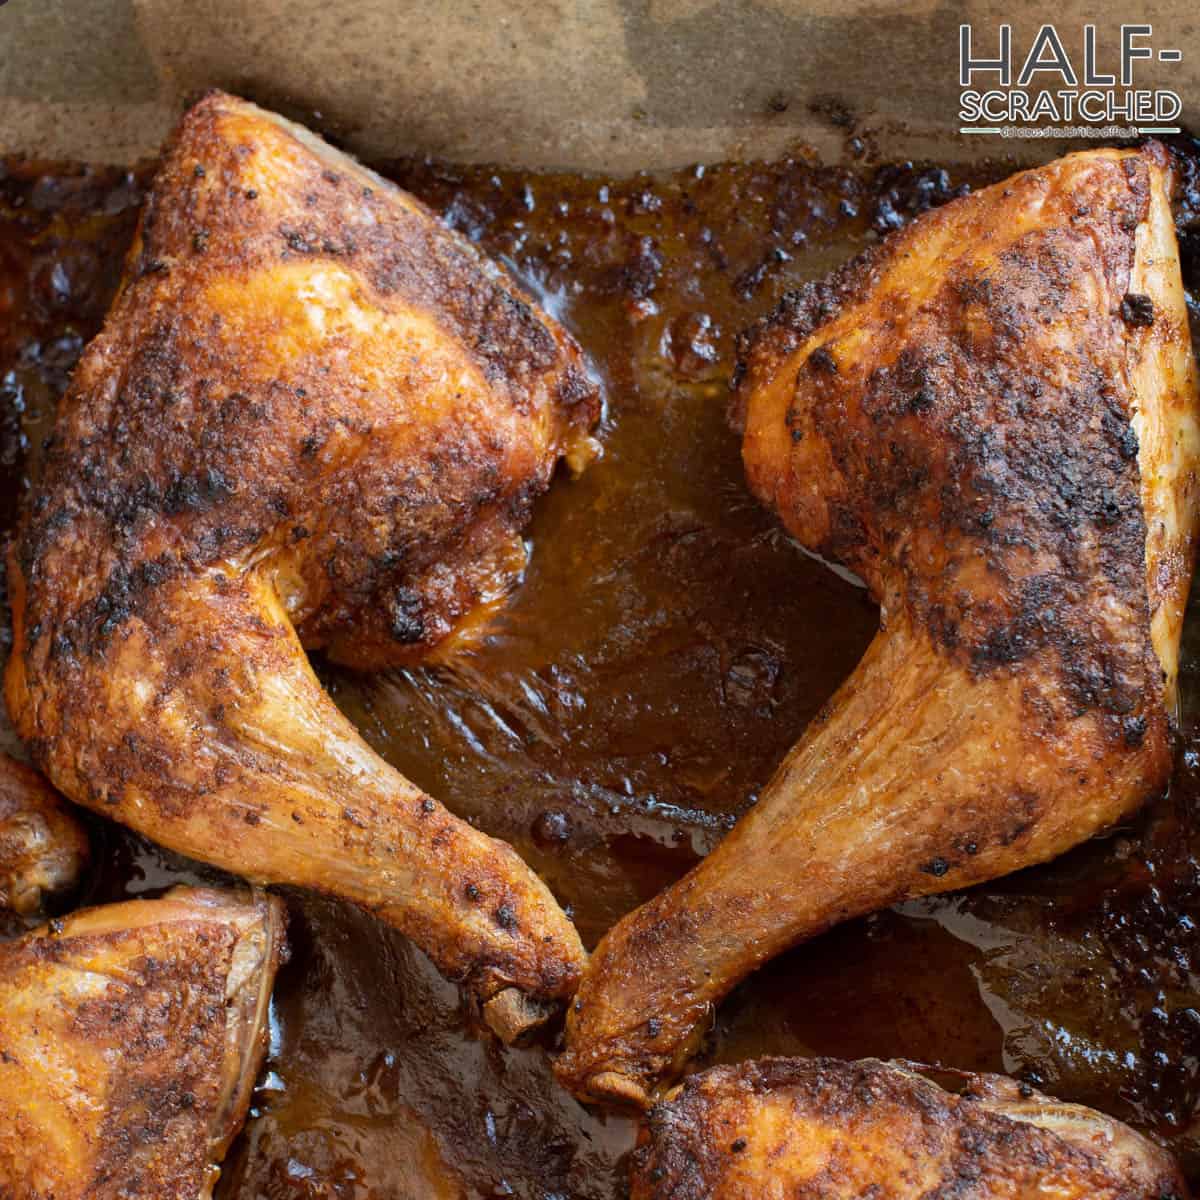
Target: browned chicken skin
point(130, 1038)
point(315, 418)
point(43, 848)
point(821, 1129)
point(992, 419)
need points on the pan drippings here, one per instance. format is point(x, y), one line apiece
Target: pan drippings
point(665, 648)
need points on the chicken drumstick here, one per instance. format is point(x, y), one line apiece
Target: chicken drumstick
point(993, 420)
point(315, 417)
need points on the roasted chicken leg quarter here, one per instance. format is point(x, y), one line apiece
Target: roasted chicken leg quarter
point(315, 418)
point(130, 1039)
point(43, 847)
point(993, 420)
point(821, 1129)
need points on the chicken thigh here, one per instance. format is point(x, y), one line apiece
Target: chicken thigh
point(130, 1038)
point(993, 420)
point(315, 418)
point(820, 1129)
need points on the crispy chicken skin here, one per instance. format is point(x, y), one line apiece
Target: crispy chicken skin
point(43, 848)
point(130, 1038)
point(992, 419)
point(823, 1129)
point(315, 418)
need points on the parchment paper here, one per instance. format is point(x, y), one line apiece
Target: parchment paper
point(604, 84)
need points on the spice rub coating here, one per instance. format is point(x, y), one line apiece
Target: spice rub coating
point(130, 1039)
point(43, 846)
point(825, 1129)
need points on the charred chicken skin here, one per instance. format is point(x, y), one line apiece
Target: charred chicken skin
point(992, 419)
point(822, 1129)
point(43, 847)
point(130, 1038)
point(315, 418)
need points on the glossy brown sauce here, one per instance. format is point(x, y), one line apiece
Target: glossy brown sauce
point(667, 646)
